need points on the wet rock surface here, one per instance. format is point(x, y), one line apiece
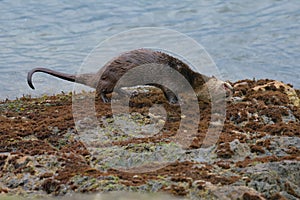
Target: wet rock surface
point(256, 155)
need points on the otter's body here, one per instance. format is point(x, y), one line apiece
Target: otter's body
point(106, 78)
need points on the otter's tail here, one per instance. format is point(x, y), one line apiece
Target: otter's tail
point(68, 77)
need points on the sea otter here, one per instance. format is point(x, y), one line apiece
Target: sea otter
point(105, 79)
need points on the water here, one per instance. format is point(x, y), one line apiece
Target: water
point(246, 39)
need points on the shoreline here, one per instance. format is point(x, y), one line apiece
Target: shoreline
point(42, 152)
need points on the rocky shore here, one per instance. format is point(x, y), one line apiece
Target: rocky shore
point(256, 156)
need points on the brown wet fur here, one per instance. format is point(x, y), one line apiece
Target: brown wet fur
point(36, 118)
point(105, 80)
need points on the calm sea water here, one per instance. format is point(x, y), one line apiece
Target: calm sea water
point(246, 39)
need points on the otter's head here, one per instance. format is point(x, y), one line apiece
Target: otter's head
point(214, 88)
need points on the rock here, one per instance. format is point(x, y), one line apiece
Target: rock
point(229, 193)
point(280, 146)
point(255, 156)
point(271, 178)
point(287, 89)
point(240, 150)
